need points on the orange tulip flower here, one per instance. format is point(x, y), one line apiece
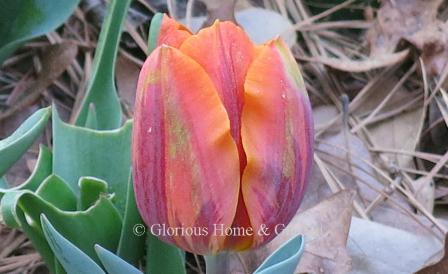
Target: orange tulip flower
point(222, 140)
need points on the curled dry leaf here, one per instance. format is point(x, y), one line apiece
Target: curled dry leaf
point(325, 227)
point(416, 22)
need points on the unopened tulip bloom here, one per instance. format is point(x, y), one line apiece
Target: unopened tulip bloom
point(222, 138)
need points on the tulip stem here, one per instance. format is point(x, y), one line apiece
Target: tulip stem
point(217, 264)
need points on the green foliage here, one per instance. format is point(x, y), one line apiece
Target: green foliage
point(41, 171)
point(163, 258)
point(154, 30)
point(104, 154)
point(72, 258)
point(90, 190)
point(131, 246)
point(13, 147)
point(21, 20)
point(101, 91)
point(101, 223)
point(56, 192)
point(113, 263)
point(284, 259)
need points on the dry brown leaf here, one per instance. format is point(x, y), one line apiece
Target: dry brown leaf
point(55, 61)
point(424, 192)
point(222, 10)
point(399, 132)
point(380, 61)
point(416, 22)
point(325, 227)
point(127, 75)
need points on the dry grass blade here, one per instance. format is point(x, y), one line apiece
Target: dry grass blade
point(55, 61)
point(386, 99)
point(360, 66)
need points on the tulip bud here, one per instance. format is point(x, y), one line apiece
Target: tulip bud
point(222, 140)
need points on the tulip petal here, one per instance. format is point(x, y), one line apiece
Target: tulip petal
point(172, 33)
point(186, 167)
point(225, 52)
point(277, 134)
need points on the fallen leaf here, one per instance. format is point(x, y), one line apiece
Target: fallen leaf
point(424, 192)
point(127, 75)
point(325, 227)
point(376, 248)
point(440, 265)
point(399, 132)
point(260, 24)
point(438, 128)
point(359, 175)
point(323, 116)
point(55, 61)
point(351, 170)
point(416, 22)
point(219, 10)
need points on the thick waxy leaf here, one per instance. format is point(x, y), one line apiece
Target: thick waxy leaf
point(56, 192)
point(72, 258)
point(277, 134)
point(41, 171)
point(3, 183)
point(100, 224)
point(225, 52)
point(13, 147)
point(13, 217)
point(181, 143)
point(154, 31)
point(90, 190)
point(21, 20)
point(284, 259)
point(163, 258)
point(92, 119)
point(101, 90)
point(80, 152)
point(113, 263)
point(131, 247)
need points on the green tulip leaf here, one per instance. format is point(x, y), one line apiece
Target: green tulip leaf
point(13, 147)
point(80, 152)
point(154, 30)
point(22, 20)
point(91, 189)
point(56, 192)
point(42, 170)
point(101, 90)
point(100, 224)
point(71, 257)
point(163, 258)
point(14, 217)
point(3, 184)
point(284, 259)
point(92, 119)
point(131, 246)
point(113, 263)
